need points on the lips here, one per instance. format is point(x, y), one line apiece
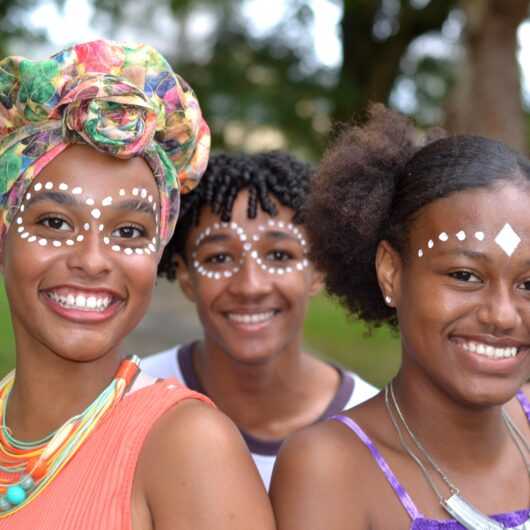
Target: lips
point(82, 304)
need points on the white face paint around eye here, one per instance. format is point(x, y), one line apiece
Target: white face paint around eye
point(507, 239)
point(249, 250)
point(95, 214)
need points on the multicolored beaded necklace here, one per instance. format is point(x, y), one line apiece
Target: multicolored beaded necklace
point(26, 468)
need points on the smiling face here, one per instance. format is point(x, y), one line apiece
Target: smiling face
point(250, 280)
point(462, 292)
point(80, 259)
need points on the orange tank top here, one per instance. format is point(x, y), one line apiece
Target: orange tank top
point(93, 491)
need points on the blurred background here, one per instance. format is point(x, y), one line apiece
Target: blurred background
point(280, 74)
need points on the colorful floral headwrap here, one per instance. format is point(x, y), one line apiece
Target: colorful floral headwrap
point(124, 100)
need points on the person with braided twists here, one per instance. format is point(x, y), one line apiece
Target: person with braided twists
point(240, 254)
point(96, 145)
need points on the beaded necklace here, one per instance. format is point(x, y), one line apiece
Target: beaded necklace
point(26, 468)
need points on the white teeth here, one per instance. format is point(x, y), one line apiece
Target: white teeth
point(81, 302)
point(255, 318)
point(490, 351)
point(91, 302)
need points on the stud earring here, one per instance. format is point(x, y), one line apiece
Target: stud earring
point(388, 299)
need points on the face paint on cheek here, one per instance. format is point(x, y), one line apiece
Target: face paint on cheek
point(95, 214)
point(248, 249)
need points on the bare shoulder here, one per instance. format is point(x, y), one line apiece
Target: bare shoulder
point(193, 420)
point(193, 469)
point(317, 478)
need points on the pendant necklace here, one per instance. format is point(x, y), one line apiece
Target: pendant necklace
point(455, 505)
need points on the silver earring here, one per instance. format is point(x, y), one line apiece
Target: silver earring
point(388, 299)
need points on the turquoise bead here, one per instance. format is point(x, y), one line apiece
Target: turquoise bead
point(16, 495)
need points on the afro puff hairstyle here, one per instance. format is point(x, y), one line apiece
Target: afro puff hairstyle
point(370, 186)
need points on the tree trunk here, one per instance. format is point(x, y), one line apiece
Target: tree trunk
point(370, 65)
point(487, 97)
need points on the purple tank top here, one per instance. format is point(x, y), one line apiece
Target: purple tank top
point(419, 522)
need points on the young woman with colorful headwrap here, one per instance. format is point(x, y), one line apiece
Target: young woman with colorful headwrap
point(96, 145)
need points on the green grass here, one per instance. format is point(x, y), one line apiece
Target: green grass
point(7, 345)
point(334, 335)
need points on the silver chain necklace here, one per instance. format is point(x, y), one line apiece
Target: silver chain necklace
point(455, 505)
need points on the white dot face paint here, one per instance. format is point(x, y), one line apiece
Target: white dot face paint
point(96, 212)
point(507, 239)
point(221, 249)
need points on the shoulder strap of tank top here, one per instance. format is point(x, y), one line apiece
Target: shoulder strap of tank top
point(399, 490)
point(525, 403)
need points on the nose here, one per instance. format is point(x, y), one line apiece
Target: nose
point(90, 256)
point(500, 311)
point(251, 281)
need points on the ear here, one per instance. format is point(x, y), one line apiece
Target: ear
point(388, 266)
point(184, 278)
point(317, 282)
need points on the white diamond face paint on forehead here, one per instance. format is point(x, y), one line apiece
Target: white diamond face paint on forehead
point(227, 263)
point(96, 212)
point(507, 239)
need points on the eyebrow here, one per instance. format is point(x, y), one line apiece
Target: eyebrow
point(53, 196)
point(472, 254)
point(138, 205)
point(278, 234)
point(215, 238)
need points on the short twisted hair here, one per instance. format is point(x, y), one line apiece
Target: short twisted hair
point(266, 175)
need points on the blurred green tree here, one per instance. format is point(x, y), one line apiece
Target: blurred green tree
point(269, 90)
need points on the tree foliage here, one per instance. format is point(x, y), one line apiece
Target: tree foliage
point(269, 90)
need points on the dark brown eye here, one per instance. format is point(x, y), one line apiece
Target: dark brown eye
point(465, 276)
point(279, 255)
point(219, 259)
point(55, 223)
point(128, 232)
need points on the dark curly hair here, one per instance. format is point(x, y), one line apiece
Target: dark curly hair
point(266, 175)
point(370, 186)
